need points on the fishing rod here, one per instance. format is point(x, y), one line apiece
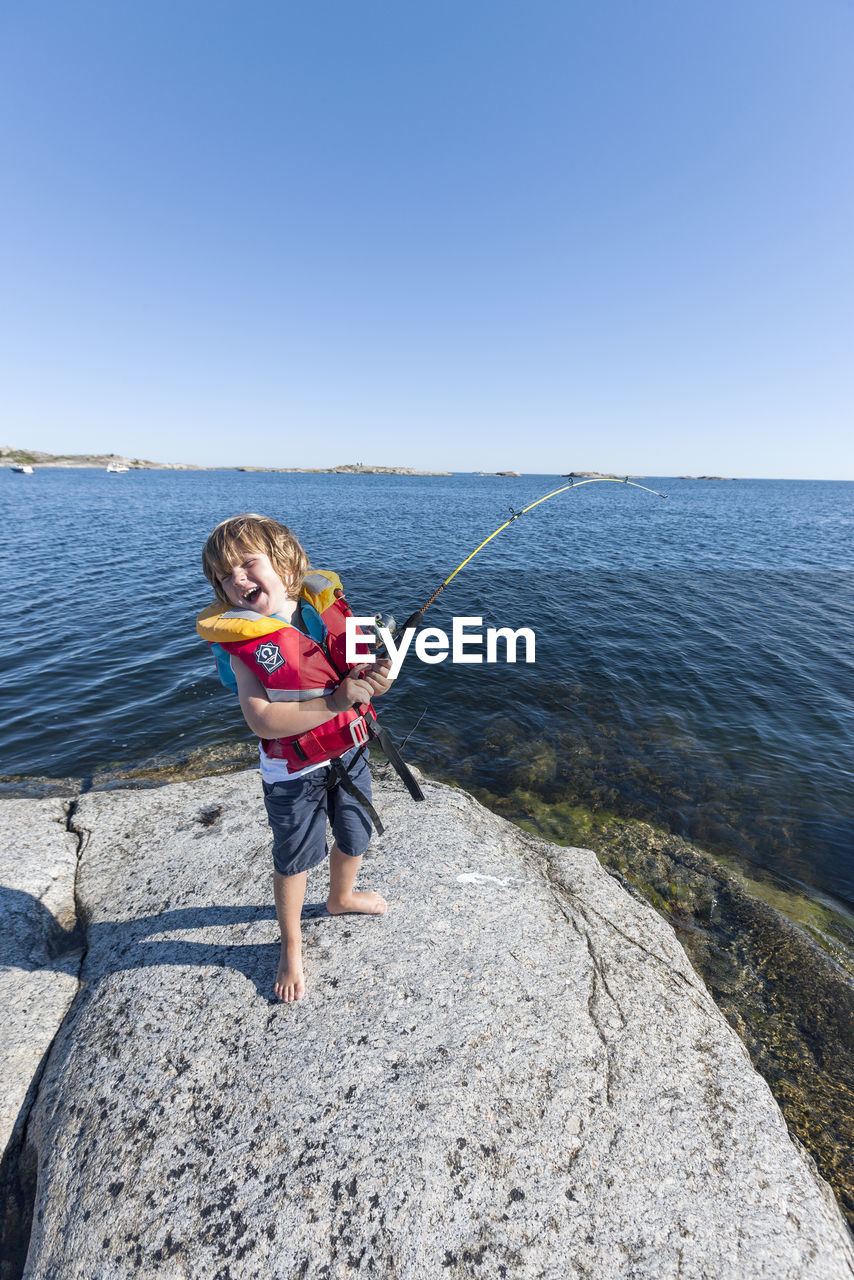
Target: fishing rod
point(415, 619)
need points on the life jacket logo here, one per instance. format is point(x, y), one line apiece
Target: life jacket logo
point(269, 657)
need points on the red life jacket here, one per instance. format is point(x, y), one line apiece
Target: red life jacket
point(294, 668)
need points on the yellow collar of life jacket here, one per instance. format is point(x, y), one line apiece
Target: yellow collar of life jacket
point(219, 625)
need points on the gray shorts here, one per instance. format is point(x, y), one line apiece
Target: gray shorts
point(297, 810)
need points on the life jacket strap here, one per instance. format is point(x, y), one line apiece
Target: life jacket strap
point(320, 742)
point(339, 775)
point(395, 759)
point(359, 732)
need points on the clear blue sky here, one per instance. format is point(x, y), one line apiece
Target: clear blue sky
point(537, 235)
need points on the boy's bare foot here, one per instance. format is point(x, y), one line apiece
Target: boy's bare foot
point(370, 904)
point(290, 983)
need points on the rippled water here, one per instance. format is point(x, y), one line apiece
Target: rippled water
point(693, 656)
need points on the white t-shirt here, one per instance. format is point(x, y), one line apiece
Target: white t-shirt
point(278, 771)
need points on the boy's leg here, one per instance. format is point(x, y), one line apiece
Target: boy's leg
point(343, 869)
point(296, 809)
point(352, 829)
point(289, 894)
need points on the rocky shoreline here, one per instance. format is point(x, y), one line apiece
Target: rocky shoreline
point(516, 1072)
point(779, 966)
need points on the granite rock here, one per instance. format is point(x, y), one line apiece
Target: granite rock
point(514, 1072)
point(40, 954)
point(39, 949)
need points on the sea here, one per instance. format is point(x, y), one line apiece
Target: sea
point(693, 663)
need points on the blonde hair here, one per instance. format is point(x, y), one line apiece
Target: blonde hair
point(232, 538)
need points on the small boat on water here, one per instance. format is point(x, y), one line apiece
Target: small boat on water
point(22, 468)
point(116, 468)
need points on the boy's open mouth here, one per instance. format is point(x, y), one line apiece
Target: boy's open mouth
point(251, 594)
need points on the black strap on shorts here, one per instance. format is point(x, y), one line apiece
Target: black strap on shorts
point(339, 776)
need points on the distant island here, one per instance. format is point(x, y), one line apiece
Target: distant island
point(346, 469)
point(37, 458)
point(603, 475)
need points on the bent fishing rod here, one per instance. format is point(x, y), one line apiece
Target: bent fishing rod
point(415, 619)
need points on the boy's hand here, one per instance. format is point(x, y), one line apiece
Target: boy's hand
point(351, 691)
point(376, 675)
point(362, 684)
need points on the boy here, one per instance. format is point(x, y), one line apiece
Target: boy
point(277, 631)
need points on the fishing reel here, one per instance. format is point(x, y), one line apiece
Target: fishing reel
point(386, 621)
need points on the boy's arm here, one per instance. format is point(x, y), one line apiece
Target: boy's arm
point(288, 719)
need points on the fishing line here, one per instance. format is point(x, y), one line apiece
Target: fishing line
point(414, 727)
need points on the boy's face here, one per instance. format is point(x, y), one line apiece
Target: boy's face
point(254, 584)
